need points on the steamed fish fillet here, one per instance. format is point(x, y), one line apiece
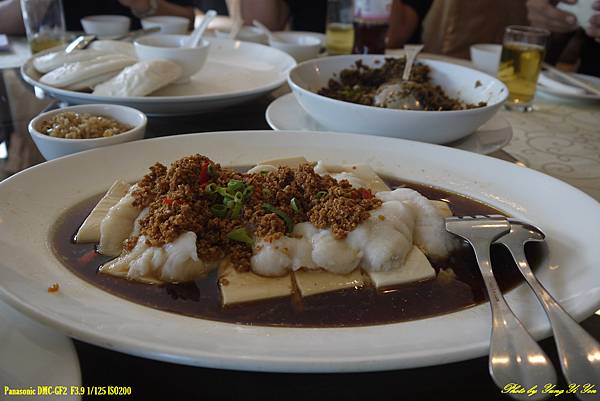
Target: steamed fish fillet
point(54, 60)
point(117, 225)
point(140, 79)
point(113, 47)
point(70, 74)
point(174, 262)
point(430, 232)
point(381, 243)
point(92, 82)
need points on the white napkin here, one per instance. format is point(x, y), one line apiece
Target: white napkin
point(557, 86)
point(582, 10)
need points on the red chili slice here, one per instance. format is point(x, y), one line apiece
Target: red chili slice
point(204, 177)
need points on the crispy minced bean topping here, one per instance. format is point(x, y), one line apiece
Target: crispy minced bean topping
point(191, 195)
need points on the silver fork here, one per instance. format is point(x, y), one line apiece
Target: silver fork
point(579, 353)
point(515, 357)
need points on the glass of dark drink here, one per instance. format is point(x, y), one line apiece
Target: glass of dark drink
point(371, 19)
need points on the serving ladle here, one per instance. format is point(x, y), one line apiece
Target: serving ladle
point(579, 353)
point(399, 95)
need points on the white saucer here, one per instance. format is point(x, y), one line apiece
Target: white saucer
point(285, 113)
point(33, 355)
point(585, 96)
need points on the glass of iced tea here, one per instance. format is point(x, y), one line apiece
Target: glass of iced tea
point(340, 31)
point(44, 23)
point(523, 51)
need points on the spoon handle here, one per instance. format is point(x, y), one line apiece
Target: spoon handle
point(411, 52)
point(579, 353)
point(194, 39)
point(515, 357)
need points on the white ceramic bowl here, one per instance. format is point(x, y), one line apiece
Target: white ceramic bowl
point(169, 47)
point(465, 83)
point(486, 57)
point(52, 148)
point(167, 24)
point(246, 34)
point(299, 45)
point(106, 26)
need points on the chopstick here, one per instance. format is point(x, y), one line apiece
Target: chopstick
point(573, 80)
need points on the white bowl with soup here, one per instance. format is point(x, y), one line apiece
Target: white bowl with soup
point(106, 26)
point(299, 45)
point(172, 47)
point(167, 23)
point(466, 85)
point(74, 129)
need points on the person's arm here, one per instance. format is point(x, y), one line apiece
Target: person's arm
point(271, 13)
point(164, 8)
point(403, 24)
point(11, 19)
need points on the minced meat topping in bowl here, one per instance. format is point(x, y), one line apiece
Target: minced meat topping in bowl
point(368, 86)
point(70, 125)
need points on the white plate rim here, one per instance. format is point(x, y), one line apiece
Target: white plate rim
point(586, 96)
point(170, 99)
point(462, 143)
point(268, 349)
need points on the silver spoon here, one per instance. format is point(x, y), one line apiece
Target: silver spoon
point(516, 361)
point(399, 95)
point(579, 353)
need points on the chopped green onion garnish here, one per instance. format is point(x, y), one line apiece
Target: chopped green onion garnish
point(266, 192)
point(235, 185)
point(295, 205)
point(228, 202)
point(248, 192)
point(289, 224)
point(211, 188)
point(321, 194)
point(219, 210)
point(223, 192)
point(235, 210)
point(211, 170)
point(241, 235)
point(238, 197)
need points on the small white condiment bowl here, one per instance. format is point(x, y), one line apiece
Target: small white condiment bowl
point(170, 47)
point(167, 24)
point(467, 84)
point(300, 46)
point(486, 57)
point(246, 34)
point(106, 26)
point(52, 148)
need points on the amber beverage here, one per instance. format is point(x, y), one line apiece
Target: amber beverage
point(371, 19)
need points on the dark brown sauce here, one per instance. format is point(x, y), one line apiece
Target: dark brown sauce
point(351, 307)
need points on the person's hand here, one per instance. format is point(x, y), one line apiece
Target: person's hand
point(138, 6)
point(543, 14)
point(594, 29)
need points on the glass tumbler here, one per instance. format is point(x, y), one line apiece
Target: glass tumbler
point(44, 23)
point(523, 51)
point(340, 29)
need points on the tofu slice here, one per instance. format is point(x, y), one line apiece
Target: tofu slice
point(90, 229)
point(415, 268)
point(364, 172)
point(237, 287)
point(291, 162)
point(311, 282)
point(442, 208)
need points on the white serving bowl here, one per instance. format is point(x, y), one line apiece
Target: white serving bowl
point(246, 34)
point(461, 82)
point(299, 45)
point(106, 26)
point(486, 57)
point(170, 47)
point(52, 148)
point(167, 24)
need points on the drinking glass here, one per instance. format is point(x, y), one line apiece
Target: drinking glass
point(340, 31)
point(523, 51)
point(44, 23)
